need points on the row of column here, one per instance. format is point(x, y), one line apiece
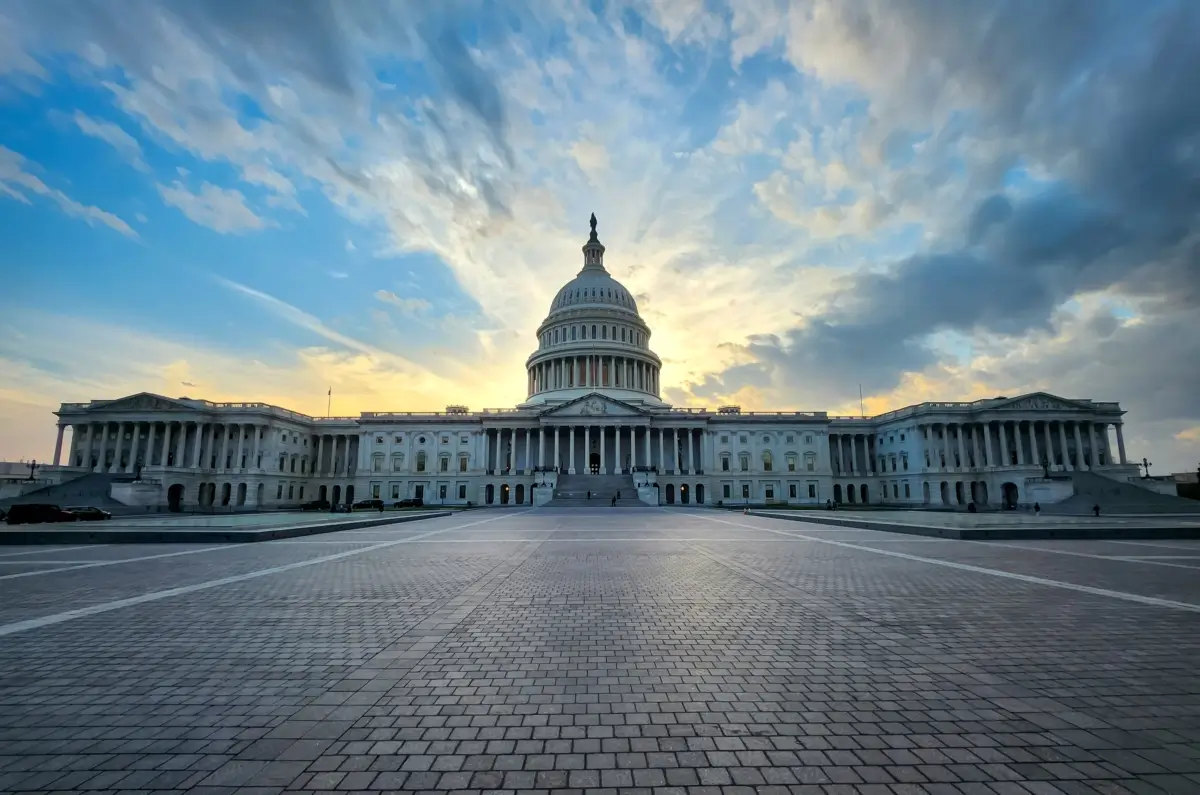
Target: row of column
point(173, 448)
point(679, 443)
point(1024, 451)
point(618, 372)
point(845, 449)
point(338, 448)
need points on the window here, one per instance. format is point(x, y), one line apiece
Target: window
point(279, 492)
point(421, 461)
point(812, 491)
point(769, 493)
point(622, 334)
point(725, 490)
point(419, 491)
point(462, 491)
point(377, 463)
point(724, 438)
point(442, 491)
point(464, 440)
point(724, 463)
point(593, 332)
point(395, 491)
point(399, 438)
point(742, 438)
point(810, 462)
point(744, 462)
point(583, 332)
point(397, 462)
point(572, 332)
point(374, 491)
point(444, 463)
point(445, 440)
point(291, 487)
point(767, 461)
point(462, 463)
point(282, 462)
point(745, 491)
point(301, 491)
point(907, 491)
point(556, 335)
point(604, 332)
point(766, 440)
point(293, 463)
point(791, 463)
point(904, 461)
point(378, 440)
point(808, 438)
point(791, 491)
point(791, 439)
point(902, 439)
point(421, 440)
point(284, 440)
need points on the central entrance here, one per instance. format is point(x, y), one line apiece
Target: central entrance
point(594, 463)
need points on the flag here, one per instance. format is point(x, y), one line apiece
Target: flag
point(330, 392)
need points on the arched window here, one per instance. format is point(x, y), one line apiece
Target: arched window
point(397, 462)
point(572, 332)
point(614, 328)
point(583, 332)
point(725, 462)
point(593, 332)
point(604, 332)
point(744, 461)
point(767, 461)
point(556, 335)
point(622, 334)
point(421, 461)
point(377, 463)
point(791, 462)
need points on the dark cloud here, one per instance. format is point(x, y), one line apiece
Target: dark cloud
point(1100, 98)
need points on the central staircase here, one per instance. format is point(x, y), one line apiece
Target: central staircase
point(1116, 497)
point(572, 491)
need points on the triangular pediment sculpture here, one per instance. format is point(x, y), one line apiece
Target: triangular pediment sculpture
point(1041, 401)
point(594, 405)
point(143, 401)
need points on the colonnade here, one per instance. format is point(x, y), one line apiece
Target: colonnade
point(851, 453)
point(978, 444)
point(593, 370)
point(596, 449)
point(169, 444)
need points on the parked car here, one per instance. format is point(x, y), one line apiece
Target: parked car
point(315, 505)
point(87, 513)
point(414, 502)
point(38, 513)
point(368, 505)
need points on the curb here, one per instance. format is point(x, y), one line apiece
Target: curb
point(197, 536)
point(1117, 533)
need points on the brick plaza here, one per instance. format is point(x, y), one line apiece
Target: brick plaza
point(607, 651)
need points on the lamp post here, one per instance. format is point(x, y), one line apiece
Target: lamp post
point(33, 467)
point(1146, 465)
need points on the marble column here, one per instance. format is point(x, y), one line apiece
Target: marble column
point(620, 467)
point(1062, 441)
point(319, 468)
point(241, 444)
point(962, 452)
point(150, 444)
point(632, 448)
point(1033, 445)
point(1121, 442)
point(948, 460)
point(1079, 462)
point(258, 434)
point(498, 466)
point(1020, 443)
point(975, 445)
point(587, 449)
point(224, 448)
point(662, 451)
point(541, 446)
point(165, 452)
point(58, 444)
point(134, 437)
point(570, 447)
point(600, 431)
point(1004, 459)
point(199, 441)
point(1093, 450)
point(649, 453)
point(528, 446)
point(1049, 443)
point(691, 469)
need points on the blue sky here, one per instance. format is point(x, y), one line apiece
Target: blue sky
point(933, 201)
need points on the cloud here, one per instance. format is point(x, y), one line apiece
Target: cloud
point(223, 210)
point(407, 306)
point(114, 136)
point(15, 181)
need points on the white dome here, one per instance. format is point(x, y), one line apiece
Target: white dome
point(593, 286)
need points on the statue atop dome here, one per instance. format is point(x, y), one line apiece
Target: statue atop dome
point(592, 221)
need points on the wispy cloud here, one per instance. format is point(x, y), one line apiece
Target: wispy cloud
point(114, 136)
point(222, 210)
point(408, 306)
point(16, 182)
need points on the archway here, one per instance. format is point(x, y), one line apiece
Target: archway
point(241, 494)
point(699, 493)
point(958, 492)
point(865, 494)
point(225, 492)
point(520, 494)
point(925, 492)
point(850, 494)
point(504, 494)
point(175, 497)
point(683, 494)
point(212, 494)
point(837, 493)
point(983, 492)
point(337, 495)
point(322, 493)
point(670, 494)
point(1009, 490)
point(349, 495)
point(489, 494)
point(945, 493)
point(260, 492)
point(594, 463)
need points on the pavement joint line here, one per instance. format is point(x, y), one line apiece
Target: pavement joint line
point(1158, 545)
point(43, 562)
point(1088, 589)
point(97, 564)
point(49, 550)
point(1120, 558)
point(154, 596)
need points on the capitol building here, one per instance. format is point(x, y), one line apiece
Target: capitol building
point(593, 423)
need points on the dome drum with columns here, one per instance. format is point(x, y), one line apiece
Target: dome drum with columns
point(593, 420)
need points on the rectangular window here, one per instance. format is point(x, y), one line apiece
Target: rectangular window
point(725, 490)
point(725, 464)
point(789, 439)
point(724, 438)
point(395, 491)
point(812, 491)
point(378, 440)
point(419, 492)
point(895, 490)
point(462, 491)
point(301, 491)
point(445, 440)
point(462, 463)
point(290, 487)
point(464, 440)
point(745, 491)
point(374, 491)
point(445, 464)
point(279, 492)
point(808, 438)
point(442, 491)
point(907, 491)
point(770, 492)
point(377, 464)
point(742, 439)
point(792, 491)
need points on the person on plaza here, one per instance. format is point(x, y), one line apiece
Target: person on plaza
point(1037, 509)
point(614, 501)
point(1096, 509)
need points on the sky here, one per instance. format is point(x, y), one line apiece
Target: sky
point(924, 199)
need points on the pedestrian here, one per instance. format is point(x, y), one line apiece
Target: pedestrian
point(1096, 509)
point(1037, 509)
point(589, 494)
point(614, 501)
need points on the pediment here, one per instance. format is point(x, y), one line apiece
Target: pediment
point(143, 401)
point(1041, 401)
point(594, 405)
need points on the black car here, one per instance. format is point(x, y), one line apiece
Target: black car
point(368, 505)
point(315, 505)
point(87, 513)
point(414, 502)
point(38, 513)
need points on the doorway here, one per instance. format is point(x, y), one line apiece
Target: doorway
point(520, 494)
point(683, 494)
point(1009, 491)
point(175, 497)
point(594, 463)
point(670, 494)
point(337, 495)
point(504, 494)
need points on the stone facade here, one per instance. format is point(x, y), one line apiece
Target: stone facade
point(594, 406)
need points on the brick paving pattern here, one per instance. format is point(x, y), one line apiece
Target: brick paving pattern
point(603, 652)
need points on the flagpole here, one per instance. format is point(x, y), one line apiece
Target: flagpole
point(328, 402)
